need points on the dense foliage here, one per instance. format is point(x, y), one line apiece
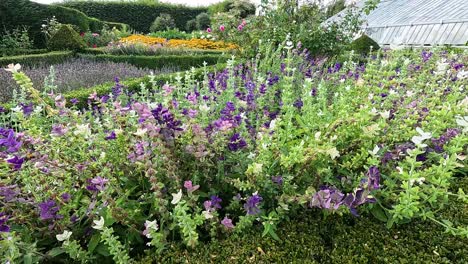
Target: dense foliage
point(137, 15)
point(66, 38)
point(255, 143)
point(48, 58)
point(32, 15)
point(162, 22)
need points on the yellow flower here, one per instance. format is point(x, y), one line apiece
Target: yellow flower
point(180, 43)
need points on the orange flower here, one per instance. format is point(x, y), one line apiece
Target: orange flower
point(180, 43)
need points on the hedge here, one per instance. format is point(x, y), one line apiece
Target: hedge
point(139, 16)
point(182, 62)
point(35, 59)
point(313, 238)
point(26, 13)
point(15, 52)
point(134, 84)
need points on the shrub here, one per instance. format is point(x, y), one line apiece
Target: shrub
point(37, 59)
point(239, 8)
point(15, 52)
point(18, 38)
point(66, 39)
point(203, 21)
point(250, 146)
point(182, 62)
point(32, 15)
point(191, 25)
point(162, 22)
point(363, 44)
point(171, 34)
point(127, 12)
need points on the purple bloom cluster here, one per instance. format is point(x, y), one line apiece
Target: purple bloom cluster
point(440, 142)
point(164, 117)
point(9, 140)
point(251, 206)
point(48, 210)
point(3, 223)
point(97, 184)
point(331, 198)
point(236, 142)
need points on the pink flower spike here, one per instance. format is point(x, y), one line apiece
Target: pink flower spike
point(240, 27)
point(222, 28)
point(208, 30)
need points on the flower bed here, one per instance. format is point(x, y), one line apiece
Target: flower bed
point(252, 144)
point(180, 43)
point(75, 73)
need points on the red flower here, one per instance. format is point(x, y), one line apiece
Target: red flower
point(94, 46)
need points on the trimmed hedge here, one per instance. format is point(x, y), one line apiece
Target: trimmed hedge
point(139, 16)
point(16, 13)
point(15, 52)
point(35, 59)
point(312, 238)
point(133, 84)
point(66, 38)
point(183, 62)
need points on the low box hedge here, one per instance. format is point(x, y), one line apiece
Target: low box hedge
point(313, 238)
point(15, 52)
point(35, 59)
point(182, 62)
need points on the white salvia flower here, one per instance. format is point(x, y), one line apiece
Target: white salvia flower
point(83, 130)
point(38, 109)
point(422, 136)
point(374, 111)
point(140, 132)
point(462, 74)
point(392, 92)
point(400, 170)
point(385, 114)
point(463, 122)
point(251, 155)
point(64, 236)
point(410, 93)
point(17, 109)
point(273, 124)
point(374, 151)
point(442, 67)
point(370, 96)
point(348, 87)
point(98, 224)
point(13, 68)
point(204, 108)
point(333, 152)
point(317, 135)
point(207, 214)
point(176, 197)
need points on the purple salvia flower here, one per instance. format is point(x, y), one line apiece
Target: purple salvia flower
point(48, 210)
point(251, 206)
point(3, 220)
point(16, 161)
point(111, 136)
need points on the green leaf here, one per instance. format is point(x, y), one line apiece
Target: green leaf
point(27, 259)
point(379, 213)
point(56, 251)
point(102, 250)
point(272, 233)
point(94, 242)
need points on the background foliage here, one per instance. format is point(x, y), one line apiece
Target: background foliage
point(138, 16)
